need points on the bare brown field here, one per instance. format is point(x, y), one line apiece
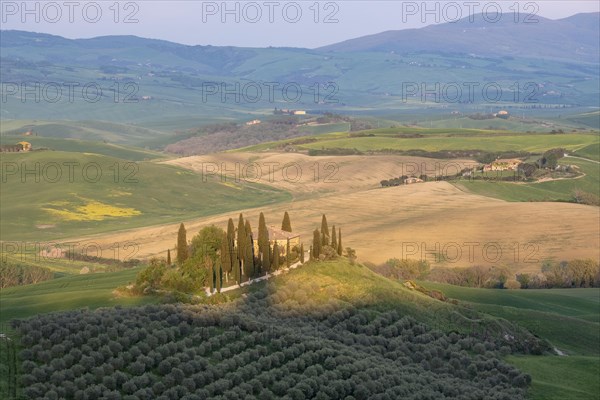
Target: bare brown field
point(435, 221)
point(305, 176)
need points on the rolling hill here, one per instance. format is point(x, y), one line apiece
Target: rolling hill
point(552, 63)
point(75, 193)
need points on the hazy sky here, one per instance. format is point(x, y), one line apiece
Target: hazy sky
point(262, 23)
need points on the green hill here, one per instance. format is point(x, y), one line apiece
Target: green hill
point(67, 293)
point(70, 194)
point(567, 318)
point(116, 133)
point(169, 85)
point(85, 146)
point(323, 291)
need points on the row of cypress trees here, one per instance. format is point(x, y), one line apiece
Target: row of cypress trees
point(322, 238)
point(237, 260)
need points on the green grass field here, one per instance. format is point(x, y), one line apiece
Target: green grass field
point(592, 152)
point(125, 195)
point(60, 266)
point(591, 119)
point(568, 318)
point(112, 132)
point(511, 124)
point(86, 146)
point(68, 293)
point(554, 377)
point(553, 314)
point(492, 142)
point(444, 138)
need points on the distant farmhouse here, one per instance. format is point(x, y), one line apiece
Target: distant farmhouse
point(411, 180)
point(253, 122)
point(502, 114)
point(503, 164)
point(282, 238)
point(289, 112)
point(26, 145)
point(15, 148)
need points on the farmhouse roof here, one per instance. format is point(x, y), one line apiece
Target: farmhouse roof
point(278, 234)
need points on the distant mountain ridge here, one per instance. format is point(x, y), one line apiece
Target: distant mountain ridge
point(554, 62)
point(574, 38)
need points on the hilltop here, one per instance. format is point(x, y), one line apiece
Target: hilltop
point(531, 36)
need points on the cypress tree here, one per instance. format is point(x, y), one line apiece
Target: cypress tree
point(226, 254)
point(211, 273)
point(236, 266)
point(310, 253)
point(231, 238)
point(250, 249)
point(302, 253)
point(248, 258)
point(324, 231)
point(286, 224)
point(230, 259)
point(264, 250)
point(182, 246)
point(168, 257)
point(241, 241)
point(219, 275)
point(333, 238)
point(316, 244)
point(339, 246)
point(287, 254)
point(230, 230)
point(275, 256)
point(266, 257)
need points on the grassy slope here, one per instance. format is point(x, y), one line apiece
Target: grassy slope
point(553, 377)
point(321, 282)
point(60, 266)
point(592, 152)
point(444, 138)
point(67, 293)
point(553, 314)
point(513, 124)
point(86, 146)
point(86, 130)
point(591, 119)
point(568, 318)
point(520, 142)
point(161, 194)
point(573, 378)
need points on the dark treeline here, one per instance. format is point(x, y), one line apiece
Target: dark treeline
point(78, 256)
point(566, 274)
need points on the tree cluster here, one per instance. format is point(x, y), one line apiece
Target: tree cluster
point(576, 273)
point(215, 257)
point(326, 244)
point(15, 274)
